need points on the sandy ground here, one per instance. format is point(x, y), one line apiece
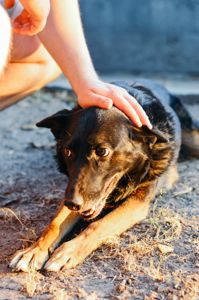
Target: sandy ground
point(157, 259)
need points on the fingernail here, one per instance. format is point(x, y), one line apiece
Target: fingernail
point(149, 125)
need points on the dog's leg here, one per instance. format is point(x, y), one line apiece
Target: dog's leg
point(130, 212)
point(172, 177)
point(168, 180)
point(36, 255)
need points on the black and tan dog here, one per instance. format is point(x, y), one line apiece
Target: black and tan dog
point(115, 169)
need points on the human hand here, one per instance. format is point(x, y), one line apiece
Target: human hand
point(104, 95)
point(9, 3)
point(33, 17)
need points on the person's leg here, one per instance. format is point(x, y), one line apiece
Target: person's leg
point(30, 68)
point(5, 38)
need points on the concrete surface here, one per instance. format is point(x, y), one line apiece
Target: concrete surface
point(177, 84)
point(143, 35)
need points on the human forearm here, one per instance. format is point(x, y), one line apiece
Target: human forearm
point(64, 39)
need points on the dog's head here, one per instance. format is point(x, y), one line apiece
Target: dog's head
point(96, 148)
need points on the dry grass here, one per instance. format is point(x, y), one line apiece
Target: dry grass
point(141, 255)
point(143, 251)
point(8, 214)
point(155, 260)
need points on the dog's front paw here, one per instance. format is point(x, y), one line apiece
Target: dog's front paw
point(67, 256)
point(32, 258)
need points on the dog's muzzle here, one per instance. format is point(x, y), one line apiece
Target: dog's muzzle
point(74, 204)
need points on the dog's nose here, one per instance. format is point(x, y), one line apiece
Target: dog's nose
point(74, 204)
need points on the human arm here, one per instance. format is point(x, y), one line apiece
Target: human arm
point(64, 39)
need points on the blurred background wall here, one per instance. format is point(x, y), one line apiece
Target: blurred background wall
point(143, 36)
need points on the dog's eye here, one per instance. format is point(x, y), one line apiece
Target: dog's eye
point(102, 151)
point(67, 152)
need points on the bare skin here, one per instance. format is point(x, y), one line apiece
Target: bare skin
point(63, 37)
point(32, 18)
point(28, 59)
point(4, 39)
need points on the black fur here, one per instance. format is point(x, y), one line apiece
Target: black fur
point(137, 155)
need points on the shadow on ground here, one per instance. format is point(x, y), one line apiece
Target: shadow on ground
point(157, 259)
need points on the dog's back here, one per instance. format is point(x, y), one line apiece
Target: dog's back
point(186, 129)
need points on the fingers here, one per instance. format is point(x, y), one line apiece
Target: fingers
point(96, 100)
point(24, 29)
point(25, 24)
point(104, 95)
point(128, 104)
point(129, 111)
point(22, 23)
point(139, 110)
point(106, 103)
point(9, 3)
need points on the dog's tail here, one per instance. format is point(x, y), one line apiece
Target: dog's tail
point(190, 129)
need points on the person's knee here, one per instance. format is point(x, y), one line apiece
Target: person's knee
point(5, 38)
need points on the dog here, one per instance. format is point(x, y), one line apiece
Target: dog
point(114, 170)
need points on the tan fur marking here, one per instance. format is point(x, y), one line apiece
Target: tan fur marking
point(36, 255)
point(171, 177)
point(60, 225)
point(130, 212)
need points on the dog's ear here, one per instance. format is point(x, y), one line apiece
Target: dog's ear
point(56, 122)
point(157, 147)
point(155, 135)
point(149, 136)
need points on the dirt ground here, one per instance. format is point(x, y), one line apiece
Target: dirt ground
point(157, 259)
